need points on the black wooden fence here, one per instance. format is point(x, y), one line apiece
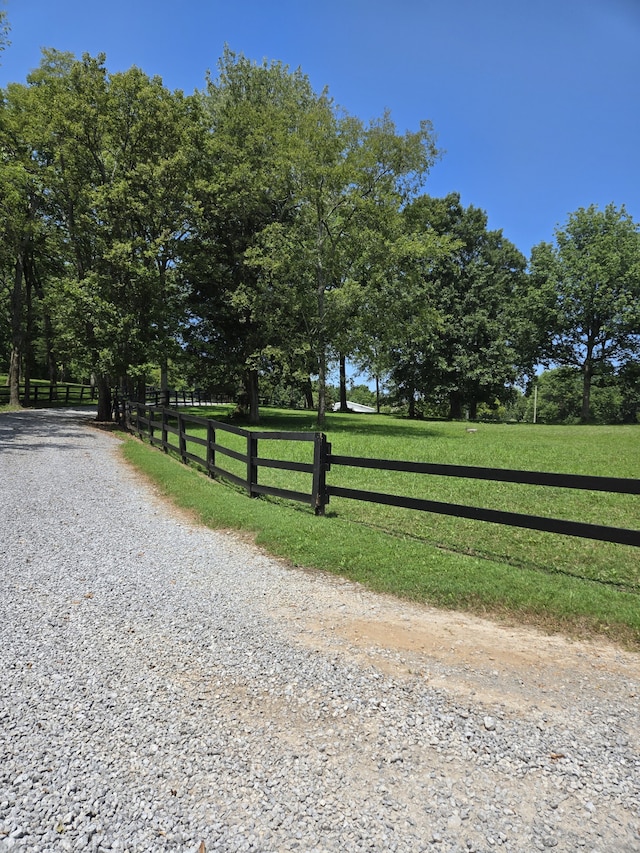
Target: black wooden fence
point(158, 424)
point(61, 393)
point(195, 397)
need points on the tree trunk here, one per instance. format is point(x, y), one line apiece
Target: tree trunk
point(141, 390)
point(52, 367)
point(377, 393)
point(343, 384)
point(254, 400)
point(587, 374)
point(473, 410)
point(308, 394)
point(29, 276)
point(455, 405)
point(322, 350)
point(412, 404)
point(164, 382)
point(105, 412)
point(16, 335)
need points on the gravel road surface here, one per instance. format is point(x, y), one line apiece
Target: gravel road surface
point(167, 687)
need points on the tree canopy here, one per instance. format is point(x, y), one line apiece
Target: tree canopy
point(252, 235)
point(590, 286)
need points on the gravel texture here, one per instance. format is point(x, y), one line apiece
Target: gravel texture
point(167, 687)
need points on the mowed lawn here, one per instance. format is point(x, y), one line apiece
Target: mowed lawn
point(562, 582)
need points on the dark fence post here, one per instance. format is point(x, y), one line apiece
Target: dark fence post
point(321, 451)
point(182, 438)
point(252, 468)
point(211, 451)
point(165, 449)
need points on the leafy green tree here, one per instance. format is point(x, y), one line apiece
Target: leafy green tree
point(475, 291)
point(629, 384)
point(25, 245)
point(590, 280)
point(245, 316)
point(155, 138)
point(119, 160)
point(559, 396)
point(350, 182)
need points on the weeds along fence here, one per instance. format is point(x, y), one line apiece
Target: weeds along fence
point(164, 427)
point(52, 393)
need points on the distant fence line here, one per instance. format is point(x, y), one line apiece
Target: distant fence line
point(160, 423)
point(55, 392)
point(195, 397)
point(73, 392)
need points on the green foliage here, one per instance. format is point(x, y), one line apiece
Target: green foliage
point(589, 313)
point(474, 288)
point(109, 162)
point(614, 396)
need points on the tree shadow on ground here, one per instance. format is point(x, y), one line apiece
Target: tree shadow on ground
point(337, 423)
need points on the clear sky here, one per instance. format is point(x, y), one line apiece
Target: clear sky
point(535, 102)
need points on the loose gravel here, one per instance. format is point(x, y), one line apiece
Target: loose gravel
point(167, 687)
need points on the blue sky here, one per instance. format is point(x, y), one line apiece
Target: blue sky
point(536, 102)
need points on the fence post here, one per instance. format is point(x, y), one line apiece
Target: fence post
point(211, 451)
point(165, 449)
point(321, 451)
point(182, 439)
point(252, 468)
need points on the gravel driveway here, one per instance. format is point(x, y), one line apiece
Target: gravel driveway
point(166, 687)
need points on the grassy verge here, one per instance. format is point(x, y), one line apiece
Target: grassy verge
point(578, 587)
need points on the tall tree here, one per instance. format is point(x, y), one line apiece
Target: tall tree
point(120, 164)
point(243, 316)
point(347, 177)
point(24, 230)
point(591, 281)
point(476, 289)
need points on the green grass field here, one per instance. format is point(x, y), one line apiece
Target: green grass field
point(564, 583)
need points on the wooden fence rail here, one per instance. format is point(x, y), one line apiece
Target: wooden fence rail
point(195, 397)
point(159, 424)
point(150, 421)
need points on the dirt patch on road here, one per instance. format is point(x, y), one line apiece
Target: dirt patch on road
point(465, 655)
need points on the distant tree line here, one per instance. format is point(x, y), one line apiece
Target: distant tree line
point(249, 237)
